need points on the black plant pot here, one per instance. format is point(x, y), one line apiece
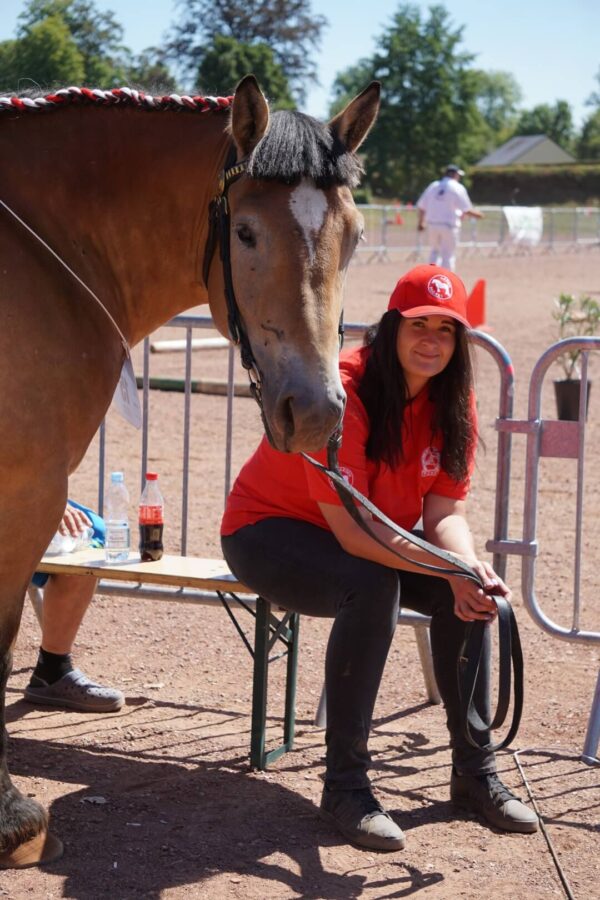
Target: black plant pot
point(567, 398)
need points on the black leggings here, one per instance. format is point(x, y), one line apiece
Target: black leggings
point(303, 568)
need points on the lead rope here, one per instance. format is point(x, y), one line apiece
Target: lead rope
point(72, 273)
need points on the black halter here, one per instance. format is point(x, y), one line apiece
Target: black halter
point(219, 223)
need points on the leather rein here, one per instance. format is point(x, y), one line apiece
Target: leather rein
point(469, 660)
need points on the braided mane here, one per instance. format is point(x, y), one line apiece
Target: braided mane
point(122, 96)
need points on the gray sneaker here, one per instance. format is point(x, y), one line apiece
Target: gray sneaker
point(74, 691)
point(490, 798)
point(361, 819)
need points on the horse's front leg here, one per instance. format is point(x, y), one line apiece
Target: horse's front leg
point(24, 838)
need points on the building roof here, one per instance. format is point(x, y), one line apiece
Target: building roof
point(534, 148)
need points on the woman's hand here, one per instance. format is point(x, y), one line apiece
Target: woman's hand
point(473, 602)
point(74, 522)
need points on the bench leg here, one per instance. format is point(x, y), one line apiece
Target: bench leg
point(290, 684)
point(321, 714)
point(36, 595)
point(268, 631)
point(424, 648)
point(260, 683)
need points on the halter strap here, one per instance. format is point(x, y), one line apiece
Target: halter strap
point(219, 231)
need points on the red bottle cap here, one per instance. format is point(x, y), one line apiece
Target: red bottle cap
point(151, 476)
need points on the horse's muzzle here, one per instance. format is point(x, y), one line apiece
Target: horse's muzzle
point(303, 421)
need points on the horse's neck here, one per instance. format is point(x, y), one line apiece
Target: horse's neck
point(122, 196)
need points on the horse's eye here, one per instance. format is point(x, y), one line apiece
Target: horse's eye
point(245, 235)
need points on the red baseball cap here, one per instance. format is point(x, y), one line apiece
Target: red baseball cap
point(430, 291)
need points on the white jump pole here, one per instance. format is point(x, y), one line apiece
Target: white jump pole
point(179, 346)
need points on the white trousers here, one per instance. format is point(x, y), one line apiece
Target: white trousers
point(442, 243)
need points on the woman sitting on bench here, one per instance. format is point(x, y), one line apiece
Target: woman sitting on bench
point(409, 441)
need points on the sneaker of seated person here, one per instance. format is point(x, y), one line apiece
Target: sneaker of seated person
point(74, 691)
point(491, 799)
point(361, 819)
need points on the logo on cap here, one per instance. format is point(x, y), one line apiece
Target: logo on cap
point(440, 287)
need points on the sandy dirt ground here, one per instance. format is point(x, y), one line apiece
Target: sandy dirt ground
point(159, 801)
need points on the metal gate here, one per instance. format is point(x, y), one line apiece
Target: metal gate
point(560, 440)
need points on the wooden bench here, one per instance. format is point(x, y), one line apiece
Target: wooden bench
point(188, 579)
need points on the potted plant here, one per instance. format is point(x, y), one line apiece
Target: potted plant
point(575, 317)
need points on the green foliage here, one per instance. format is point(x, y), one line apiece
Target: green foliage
point(61, 42)
point(555, 122)
point(588, 146)
point(594, 98)
point(575, 318)
point(149, 71)
point(536, 185)
point(47, 54)
point(227, 61)
point(287, 27)
point(429, 102)
point(497, 97)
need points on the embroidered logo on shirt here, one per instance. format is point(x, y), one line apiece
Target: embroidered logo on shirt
point(440, 287)
point(347, 475)
point(430, 462)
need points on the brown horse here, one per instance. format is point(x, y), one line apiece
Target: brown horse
point(118, 185)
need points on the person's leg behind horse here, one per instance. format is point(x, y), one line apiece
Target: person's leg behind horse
point(303, 568)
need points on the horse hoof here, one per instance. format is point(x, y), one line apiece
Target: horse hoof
point(42, 849)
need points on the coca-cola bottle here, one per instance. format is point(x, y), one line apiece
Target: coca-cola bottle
point(151, 519)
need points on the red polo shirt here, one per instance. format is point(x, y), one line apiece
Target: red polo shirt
point(284, 484)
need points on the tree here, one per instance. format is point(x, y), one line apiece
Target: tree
point(594, 98)
point(150, 72)
point(97, 36)
point(498, 97)
point(556, 122)
point(227, 61)
point(287, 27)
point(47, 54)
point(588, 146)
point(62, 42)
point(428, 101)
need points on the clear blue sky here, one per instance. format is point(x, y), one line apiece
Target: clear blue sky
point(552, 47)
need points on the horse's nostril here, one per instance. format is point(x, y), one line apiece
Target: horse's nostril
point(287, 412)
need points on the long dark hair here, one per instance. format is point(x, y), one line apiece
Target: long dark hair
point(384, 393)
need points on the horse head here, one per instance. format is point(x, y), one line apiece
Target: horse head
point(292, 228)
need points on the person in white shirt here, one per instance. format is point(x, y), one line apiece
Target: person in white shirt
point(441, 208)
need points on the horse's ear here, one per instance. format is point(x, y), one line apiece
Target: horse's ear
point(354, 122)
point(249, 115)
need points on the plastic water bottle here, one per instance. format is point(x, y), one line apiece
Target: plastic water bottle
point(151, 520)
point(116, 514)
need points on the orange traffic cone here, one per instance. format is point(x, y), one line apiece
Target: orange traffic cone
point(476, 306)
